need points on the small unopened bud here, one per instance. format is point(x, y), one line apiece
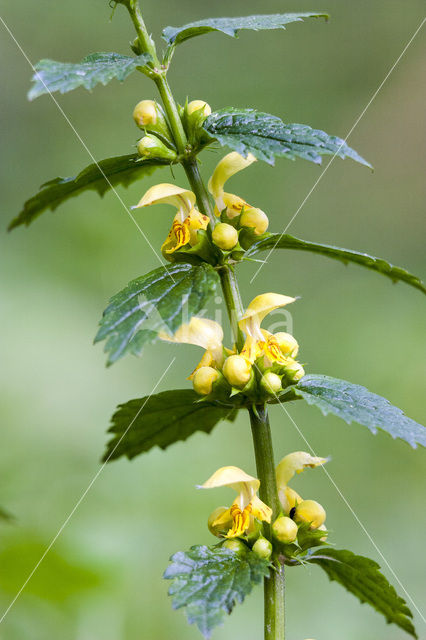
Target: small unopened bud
point(236, 546)
point(294, 371)
point(218, 529)
point(203, 380)
point(271, 383)
point(146, 113)
point(311, 512)
point(225, 236)
point(287, 343)
point(256, 219)
point(237, 370)
point(262, 548)
point(285, 530)
point(199, 105)
point(151, 147)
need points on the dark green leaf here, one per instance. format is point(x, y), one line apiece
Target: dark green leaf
point(209, 581)
point(266, 136)
point(96, 68)
point(231, 26)
point(284, 241)
point(121, 170)
point(152, 303)
point(361, 576)
point(160, 420)
point(355, 403)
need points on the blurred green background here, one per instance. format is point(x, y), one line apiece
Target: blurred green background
point(102, 579)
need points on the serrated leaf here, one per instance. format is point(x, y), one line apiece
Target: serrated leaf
point(266, 136)
point(161, 420)
point(362, 577)
point(152, 303)
point(102, 176)
point(231, 26)
point(354, 403)
point(209, 581)
point(285, 241)
point(95, 68)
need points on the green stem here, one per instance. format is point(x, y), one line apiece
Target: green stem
point(274, 587)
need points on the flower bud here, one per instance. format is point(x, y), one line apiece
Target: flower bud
point(284, 530)
point(237, 370)
point(311, 512)
point(199, 105)
point(218, 529)
point(256, 219)
point(145, 113)
point(271, 383)
point(287, 343)
point(225, 236)
point(236, 546)
point(151, 147)
point(203, 380)
point(262, 548)
point(294, 371)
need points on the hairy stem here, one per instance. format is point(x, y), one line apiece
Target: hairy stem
point(273, 585)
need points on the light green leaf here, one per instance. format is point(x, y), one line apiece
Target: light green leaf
point(231, 26)
point(284, 241)
point(161, 420)
point(267, 136)
point(354, 403)
point(209, 581)
point(152, 303)
point(95, 68)
point(121, 170)
point(362, 577)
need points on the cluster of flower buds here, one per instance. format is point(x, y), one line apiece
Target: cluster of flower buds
point(157, 141)
point(241, 524)
point(236, 215)
point(296, 512)
point(261, 370)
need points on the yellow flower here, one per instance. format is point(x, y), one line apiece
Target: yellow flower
point(201, 332)
point(234, 205)
point(260, 342)
point(187, 220)
point(293, 463)
point(240, 516)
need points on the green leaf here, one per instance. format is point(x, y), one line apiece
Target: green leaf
point(161, 420)
point(285, 241)
point(361, 576)
point(231, 26)
point(266, 136)
point(209, 581)
point(152, 303)
point(355, 403)
point(101, 176)
point(95, 68)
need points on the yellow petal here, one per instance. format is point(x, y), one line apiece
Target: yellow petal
point(289, 498)
point(260, 510)
point(258, 308)
point(196, 221)
point(201, 332)
point(206, 361)
point(252, 349)
point(235, 478)
point(227, 167)
point(180, 234)
point(295, 463)
point(165, 193)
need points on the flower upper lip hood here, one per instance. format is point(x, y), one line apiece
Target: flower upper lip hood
point(204, 333)
point(231, 164)
point(291, 464)
point(238, 518)
point(165, 193)
point(258, 308)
